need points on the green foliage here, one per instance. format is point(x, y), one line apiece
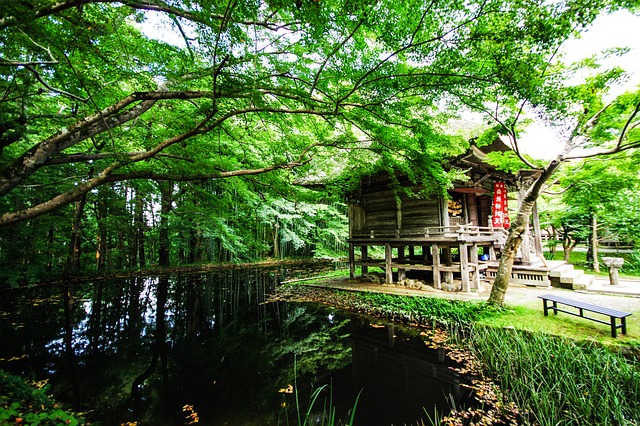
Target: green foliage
point(23, 403)
point(608, 189)
point(557, 380)
point(426, 310)
point(233, 103)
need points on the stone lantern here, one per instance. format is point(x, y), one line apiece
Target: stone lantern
point(613, 263)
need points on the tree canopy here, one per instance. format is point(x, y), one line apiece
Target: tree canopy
point(238, 88)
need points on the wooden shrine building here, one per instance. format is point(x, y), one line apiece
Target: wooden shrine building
point(441, 241)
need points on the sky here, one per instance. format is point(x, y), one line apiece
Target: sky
point(620, 29)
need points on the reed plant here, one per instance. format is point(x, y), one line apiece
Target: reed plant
point(559, 381)
point(320, 409)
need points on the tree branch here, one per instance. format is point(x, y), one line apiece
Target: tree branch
point(53, 89)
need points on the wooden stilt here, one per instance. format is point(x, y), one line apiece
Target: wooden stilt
point(426, 252)
point(402, 273)
point(435, 252)
point(473, 256)
point(364, 250)
point(388, 254)
point(464, 266)
point(446, 259)
point(492, 252)
point(352, 261)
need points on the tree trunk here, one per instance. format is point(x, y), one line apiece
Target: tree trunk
point(508, 255)
point(140, 228)
point(75, 246)
point(594, 242)
point(518, 229)
point(554, 237)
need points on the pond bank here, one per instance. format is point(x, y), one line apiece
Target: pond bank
point(523, 305)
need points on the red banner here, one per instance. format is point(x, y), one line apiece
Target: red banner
point(500, 208)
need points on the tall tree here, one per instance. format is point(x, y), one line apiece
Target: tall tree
point(597, 131)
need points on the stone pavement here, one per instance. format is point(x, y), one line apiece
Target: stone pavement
point(626, 287)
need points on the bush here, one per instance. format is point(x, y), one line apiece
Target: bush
point(28, 404)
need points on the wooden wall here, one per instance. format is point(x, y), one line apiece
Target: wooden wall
point(381, 212)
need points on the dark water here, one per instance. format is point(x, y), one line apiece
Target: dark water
point(143, 349)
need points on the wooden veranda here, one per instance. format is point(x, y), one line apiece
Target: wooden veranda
point(446, 252)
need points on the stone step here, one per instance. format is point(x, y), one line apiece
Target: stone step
point(584, 282)
point(562, 269)
point(571, 276)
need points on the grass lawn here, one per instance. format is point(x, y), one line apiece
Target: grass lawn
point(532, 319)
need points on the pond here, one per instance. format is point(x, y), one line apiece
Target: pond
point(156, 350)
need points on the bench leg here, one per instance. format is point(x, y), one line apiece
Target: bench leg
point(623, 323)
point(545, 307)
point(614, 331)
point(555, 308)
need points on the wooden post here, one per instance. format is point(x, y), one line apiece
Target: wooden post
point(435, 253)
point(388, 258)
point(446, 254)
point(463, 248)
point(352, 262)
point(364, 250)
point(492, 253)
point(474, 259)
point(444, 211)
point(402, 274)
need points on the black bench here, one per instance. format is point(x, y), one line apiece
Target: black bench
point(583, 306)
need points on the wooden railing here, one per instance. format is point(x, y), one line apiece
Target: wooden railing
point(436, 232)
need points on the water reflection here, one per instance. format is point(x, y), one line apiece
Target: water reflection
point(143, 348)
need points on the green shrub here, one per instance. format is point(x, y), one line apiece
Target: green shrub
point(23, 403)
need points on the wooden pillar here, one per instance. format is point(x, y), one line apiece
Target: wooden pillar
point(435, 253)
point(387, 259)
point(446, 255)
point(444, 211)
point(402, 274)
point(463, 248)
point(475, 282)
point(492, 253)
point(412, 252)
point(352, 261)
point(364, 250)
point(465, 209)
